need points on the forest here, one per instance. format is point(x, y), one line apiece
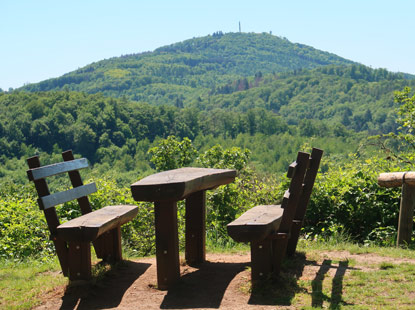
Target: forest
point(243, 101)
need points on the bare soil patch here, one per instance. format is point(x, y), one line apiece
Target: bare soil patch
point(220, 283)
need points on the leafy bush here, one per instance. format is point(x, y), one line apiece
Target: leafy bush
point(23, 229)
point(348, 199)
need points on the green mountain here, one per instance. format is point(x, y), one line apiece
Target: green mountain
point(254, 91)
point(355, 96)
point(181, 72)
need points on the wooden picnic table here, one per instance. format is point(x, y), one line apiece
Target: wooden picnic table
point(165, 189)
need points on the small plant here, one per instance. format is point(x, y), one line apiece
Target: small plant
point(386, 265)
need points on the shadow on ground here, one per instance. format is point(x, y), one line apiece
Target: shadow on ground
point(336, 299)
point(107, 292)
point(203, 288)
point(281, 290)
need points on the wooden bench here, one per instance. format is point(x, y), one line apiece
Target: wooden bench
point(273, 230)
point(73, 239)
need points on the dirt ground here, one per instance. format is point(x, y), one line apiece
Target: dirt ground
point(220, 283)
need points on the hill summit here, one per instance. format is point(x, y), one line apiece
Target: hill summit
point(190, 67)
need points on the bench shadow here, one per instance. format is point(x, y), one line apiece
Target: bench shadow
point(106, 292)
point(317, 295)
point(203, 288)
point(281, 290)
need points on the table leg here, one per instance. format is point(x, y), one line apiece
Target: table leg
point(195, 228)
point(167, 243)
point(406, 215)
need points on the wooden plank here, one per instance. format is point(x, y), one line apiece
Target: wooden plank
point(291, 169)
point(90, 226)
point(279, 249)
point(279, 245)
point(195, 234)
point(409, 178)
point(261, 264)
point(309, 179)
point(54, 169)
point(79, 261)
point(406, 215)
point(116, 244)
point(296, 185)
point(51, 218)
point(76, 181)
point(178, 183)
point(62, 197)
point(391, 179)
point(256, 224)
point(167, 244)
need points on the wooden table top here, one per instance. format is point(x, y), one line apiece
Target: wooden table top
point(178, 183)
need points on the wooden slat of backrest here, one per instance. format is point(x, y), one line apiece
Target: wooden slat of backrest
point(54, 169)
point(76, 181)
point(309, 179)
point(295, 191)
point(291, 169)
point(55, 199)
point(51, 217)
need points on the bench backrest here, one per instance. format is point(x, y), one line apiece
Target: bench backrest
point(48, 201)
point(296, 172)
point(303, 173)
point(309, 179)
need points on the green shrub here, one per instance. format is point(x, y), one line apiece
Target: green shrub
point(347, 198)
point(23, 229)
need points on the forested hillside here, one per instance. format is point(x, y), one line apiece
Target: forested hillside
point(356, 97)
point(118, 133)
point(255, 91)
point(274, 116)
point(181, 72)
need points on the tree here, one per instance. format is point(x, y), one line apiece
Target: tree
point(217, 157)
point(171, 153)
point(401, 145)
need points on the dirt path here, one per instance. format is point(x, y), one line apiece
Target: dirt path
point(222, 282)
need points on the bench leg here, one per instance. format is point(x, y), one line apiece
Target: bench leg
point(108, 245)
point(261, 255)
point(279, 249)
point(295, 235)
point(167, 243)
point(79, 260)
point(62, 252)
point(195, 228)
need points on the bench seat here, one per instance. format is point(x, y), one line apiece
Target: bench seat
point(90, 226)
point(256, 224)
point(273, 230)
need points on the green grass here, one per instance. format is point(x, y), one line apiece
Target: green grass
point(375, 278)
point(22, 283)
point(319, 276)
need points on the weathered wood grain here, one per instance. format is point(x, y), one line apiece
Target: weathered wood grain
point(406, 215)
point(391, 179)
point(51, 218)
point(90, 226)
point(177, 184)
point(256, 224)
point(309, 179)
point(55, 199)
point(54, 169)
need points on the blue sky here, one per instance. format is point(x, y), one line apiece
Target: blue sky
point(44, 39)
